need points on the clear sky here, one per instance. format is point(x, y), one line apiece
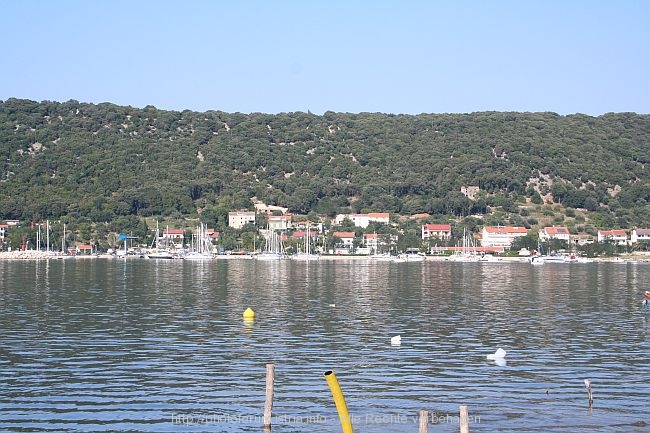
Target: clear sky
point(272, 56)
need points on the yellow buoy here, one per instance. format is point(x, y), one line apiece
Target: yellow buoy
point(249, 314)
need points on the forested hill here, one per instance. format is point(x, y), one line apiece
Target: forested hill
point(104, 160)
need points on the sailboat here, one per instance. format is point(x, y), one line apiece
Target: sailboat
point(467, 252)
point(273, 250)
point(308, 254)
point(158, 253)
point(64, 251)
point(380, 257)
point(202, 245)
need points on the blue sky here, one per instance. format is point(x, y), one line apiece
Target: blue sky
point(409, 57)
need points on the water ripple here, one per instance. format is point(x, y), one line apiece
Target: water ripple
point(161, 347)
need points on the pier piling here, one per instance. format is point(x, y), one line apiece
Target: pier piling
point(268, 404)
point(464, 419)
point(424, 421)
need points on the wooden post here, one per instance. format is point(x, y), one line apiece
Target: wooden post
point(589, 392)
point(424, 421)
point(268, 404)
point(464, 419)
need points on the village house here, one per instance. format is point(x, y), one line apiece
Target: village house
point(370, 241)
point(83, 249)
point(375, 243)
point(469, 191)
point(279, 222)
point(436, 231)
point(304, 225)
point(346, 239)
point(173, 236)
point(239, 219)
point(619, 237)
point(501, 236)
point(301, 235)
point(640, 235)
point(267, 209)
point(4, 229)
point(213, 235)
point(548, 233)
point(363, 220)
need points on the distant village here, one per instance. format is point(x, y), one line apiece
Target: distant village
point(492, 239)
point(435, 238)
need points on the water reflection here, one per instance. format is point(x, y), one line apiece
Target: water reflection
point(98, 345)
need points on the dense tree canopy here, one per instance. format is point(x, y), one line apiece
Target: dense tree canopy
point(97, 162)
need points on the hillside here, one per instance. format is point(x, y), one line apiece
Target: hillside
point(97, 162)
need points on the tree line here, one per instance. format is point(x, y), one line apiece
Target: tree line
point(102, 163)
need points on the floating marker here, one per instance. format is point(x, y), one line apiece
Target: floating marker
point(396, 340)
point(499, 354)
point(249, 314)
point(590, 394)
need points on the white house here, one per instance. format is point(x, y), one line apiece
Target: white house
point(378, 242)
point(501, 236)
point(346, 238)
point(561, 233)
point(437, 231)
point(268, 208)
point(363, 220)
point(279, 222)
point(640, 235)
point(469, 191)
point(371, 240)
point(238, 220)
point(618, 237)
point(173, 234)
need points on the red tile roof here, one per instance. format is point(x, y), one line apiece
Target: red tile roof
point(504, 229)
point(612, 232)
point(174, 232)
point(556, 230)
point(437, 227)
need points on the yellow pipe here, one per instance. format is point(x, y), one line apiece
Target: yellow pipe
point(339, 400)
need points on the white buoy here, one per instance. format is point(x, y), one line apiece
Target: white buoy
point(396, 340)
point(499, 354)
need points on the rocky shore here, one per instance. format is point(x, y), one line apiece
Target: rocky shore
point(30, 255)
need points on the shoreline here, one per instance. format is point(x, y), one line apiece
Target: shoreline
point(45, 255)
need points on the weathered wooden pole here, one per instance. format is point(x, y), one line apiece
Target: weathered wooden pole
point(424, 421)
point(268, 404)
point(464, 419)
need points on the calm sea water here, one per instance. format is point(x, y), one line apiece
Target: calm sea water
point(160, 346)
